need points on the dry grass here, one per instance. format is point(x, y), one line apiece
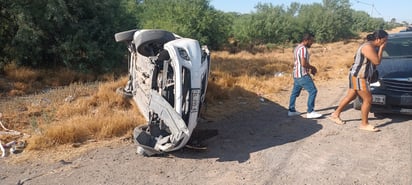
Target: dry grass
point(237, 80)
point(20, 81)
point(71, 114)
point(81, 112)
point(270, 72)
point(103, 114)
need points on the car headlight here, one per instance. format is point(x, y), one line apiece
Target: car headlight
point(183, 54)
point(375, 85)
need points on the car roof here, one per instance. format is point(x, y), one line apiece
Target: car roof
point(400, 35)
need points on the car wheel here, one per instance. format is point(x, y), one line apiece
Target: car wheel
point(357, 103)
point(126, 36)
point(149, 41)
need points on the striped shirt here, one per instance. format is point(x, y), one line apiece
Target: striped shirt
point(300, 52)
point(362, 67)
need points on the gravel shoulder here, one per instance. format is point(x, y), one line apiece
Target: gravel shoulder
point(262, 146)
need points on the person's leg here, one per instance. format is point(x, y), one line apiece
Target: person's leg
point(295, 93)
point(365, 94)
point(354, 86)
point(350, 96)
point(366, 106)
point(307, 83)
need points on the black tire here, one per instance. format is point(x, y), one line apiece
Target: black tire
point(126, 36)
point(357, 103)
point(148, 41)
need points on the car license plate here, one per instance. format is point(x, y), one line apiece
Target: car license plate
point(379, 99)
point(408, 111)
point(195, 100)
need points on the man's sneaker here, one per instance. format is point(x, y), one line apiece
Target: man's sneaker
point(313, 114)
point(296, 113)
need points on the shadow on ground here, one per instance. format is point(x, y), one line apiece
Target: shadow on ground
point(250, 131)
point(391, 118)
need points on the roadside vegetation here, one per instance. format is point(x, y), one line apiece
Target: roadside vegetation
point(79, 35)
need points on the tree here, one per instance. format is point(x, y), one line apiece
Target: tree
point(189, 18)
point(329, 22)
point(7, 29)
point(76, 34)
point(270, 24)
point(341, 18)
point(241, 28)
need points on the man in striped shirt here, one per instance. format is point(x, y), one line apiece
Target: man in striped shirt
point(302, 79)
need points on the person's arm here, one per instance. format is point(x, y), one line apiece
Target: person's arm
point(370, 53)
point(303, 61)
point(306, 64)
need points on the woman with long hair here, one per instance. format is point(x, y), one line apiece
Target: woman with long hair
point(367, 57)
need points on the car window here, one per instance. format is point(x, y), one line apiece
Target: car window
point(398, 47)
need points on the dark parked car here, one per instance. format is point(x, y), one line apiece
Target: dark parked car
point(392, 93)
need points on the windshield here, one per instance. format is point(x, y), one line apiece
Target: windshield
point(398, 47)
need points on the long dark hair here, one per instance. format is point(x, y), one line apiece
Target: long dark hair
point(378, 34)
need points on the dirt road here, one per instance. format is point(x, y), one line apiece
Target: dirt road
point(262, 146)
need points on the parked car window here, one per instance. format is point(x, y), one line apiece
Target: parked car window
point(398, 47)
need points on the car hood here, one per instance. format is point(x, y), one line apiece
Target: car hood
point(395, 68)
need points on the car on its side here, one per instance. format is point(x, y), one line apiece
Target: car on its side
point(168, 77)
point(392, 93)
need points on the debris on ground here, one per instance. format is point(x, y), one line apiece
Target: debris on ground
point(11, 147)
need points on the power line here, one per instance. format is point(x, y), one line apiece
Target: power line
point(364, 3)
point(371, 5)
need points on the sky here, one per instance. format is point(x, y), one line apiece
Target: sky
point(398, 9)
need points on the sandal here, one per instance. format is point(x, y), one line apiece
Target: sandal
point(369, 128)
point(336, 120)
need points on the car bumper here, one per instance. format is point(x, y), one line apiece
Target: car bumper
point(391, 102)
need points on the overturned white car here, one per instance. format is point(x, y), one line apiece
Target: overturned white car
point(168, 81)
